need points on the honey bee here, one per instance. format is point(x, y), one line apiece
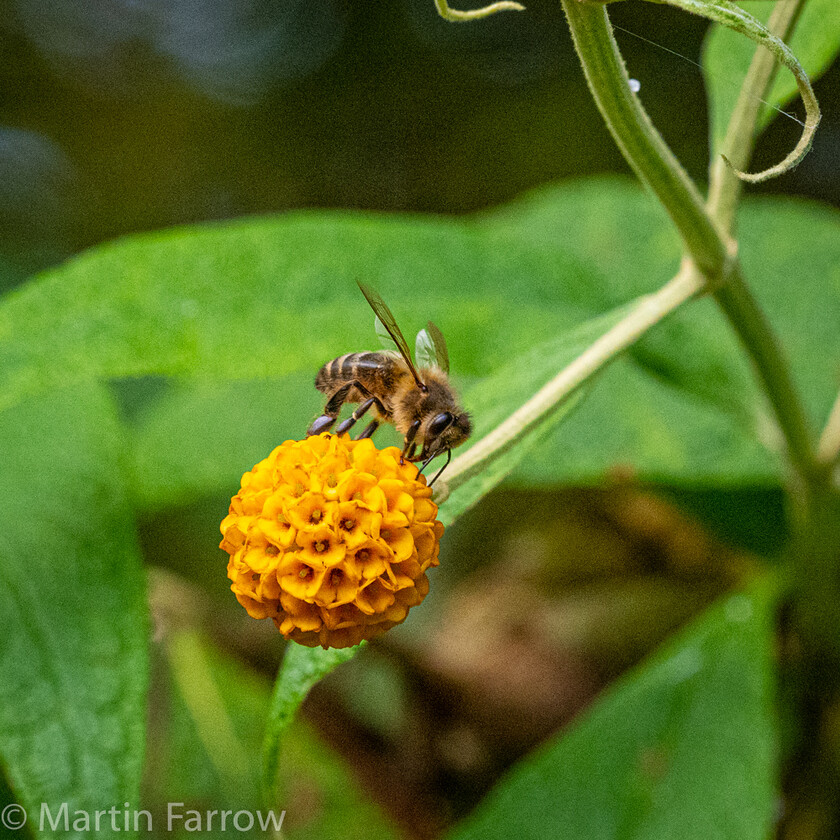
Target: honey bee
point(418, 400)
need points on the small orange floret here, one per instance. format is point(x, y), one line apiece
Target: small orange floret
point(331, 539)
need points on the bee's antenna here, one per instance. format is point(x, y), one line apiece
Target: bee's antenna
point(437, 475)
point(427, 461)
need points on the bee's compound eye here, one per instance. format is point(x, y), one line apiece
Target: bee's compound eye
point(440, 423)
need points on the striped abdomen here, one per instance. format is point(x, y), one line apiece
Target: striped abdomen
point(379, 372)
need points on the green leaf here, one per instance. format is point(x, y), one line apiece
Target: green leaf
point(681, 408)
point(302, 667)
point(197, 438)
point(681, 747)
point(791, 255)
point(72, 608)
point(626, 237)
point(629, 424)
point(266, 297)
point(266, 302)
point(213, 694)
point(727, 56)
point(495, 398)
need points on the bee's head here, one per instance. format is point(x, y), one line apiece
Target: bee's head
point(446, 431)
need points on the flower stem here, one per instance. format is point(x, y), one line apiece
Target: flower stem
point(740, 20)
point(649, 311)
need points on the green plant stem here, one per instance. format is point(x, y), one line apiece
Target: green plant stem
point(647, 313)
point(758, 339)
point(735, 298)
point(738, 144)
point(640, 143)
point(706, 244)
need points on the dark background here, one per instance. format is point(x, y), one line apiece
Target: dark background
point(126, 115)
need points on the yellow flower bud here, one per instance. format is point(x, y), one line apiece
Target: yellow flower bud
point(331, 538)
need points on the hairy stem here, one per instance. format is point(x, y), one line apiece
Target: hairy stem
point(648, 312)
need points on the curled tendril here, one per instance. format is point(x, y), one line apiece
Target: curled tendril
point(476, 14)
point(734, 17)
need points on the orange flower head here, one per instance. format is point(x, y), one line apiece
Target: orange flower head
point(331, 538)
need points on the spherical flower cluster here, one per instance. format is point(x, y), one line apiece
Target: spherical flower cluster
point(331, 538)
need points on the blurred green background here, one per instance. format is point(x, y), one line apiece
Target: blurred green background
point(118, 117)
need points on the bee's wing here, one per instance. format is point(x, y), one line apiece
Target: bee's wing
point(383, 335)
point(439, 342)
point(424, 350)
point(387, 319)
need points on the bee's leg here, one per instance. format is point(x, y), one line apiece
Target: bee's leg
point(334, 404)
point(331, 410)
point(376, 401)
point(410, 446)
point(348, 424)
point(369, 430)
point(321, 424)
